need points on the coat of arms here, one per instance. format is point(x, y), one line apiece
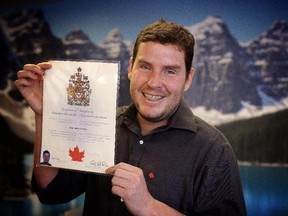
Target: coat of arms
point(78, 91)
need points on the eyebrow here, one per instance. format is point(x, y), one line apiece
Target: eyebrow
point(172, 66)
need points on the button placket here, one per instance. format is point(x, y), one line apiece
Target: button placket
point(137, 152)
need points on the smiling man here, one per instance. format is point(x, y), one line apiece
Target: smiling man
point(168, 161)
point(158, 80)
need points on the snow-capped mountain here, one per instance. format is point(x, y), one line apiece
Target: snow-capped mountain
point(30, 36)
point(270, 55)
point(231, 80)
point(221, 79)
point(235, 81)
point(115, 46)
point(77, 45)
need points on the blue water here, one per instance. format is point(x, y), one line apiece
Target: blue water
point(265, 190)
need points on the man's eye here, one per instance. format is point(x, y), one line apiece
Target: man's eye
point(145, 67)
point(170, 72)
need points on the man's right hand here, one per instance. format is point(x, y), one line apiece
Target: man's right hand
point(30, 84)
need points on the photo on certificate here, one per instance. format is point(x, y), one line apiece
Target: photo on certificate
point(79, 115)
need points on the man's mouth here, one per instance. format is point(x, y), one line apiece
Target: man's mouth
point(152, 97)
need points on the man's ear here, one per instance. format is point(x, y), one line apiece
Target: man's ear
point(189, 79)
point(130, 68)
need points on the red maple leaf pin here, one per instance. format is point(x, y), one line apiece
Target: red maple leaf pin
point(151, 175)
point(76, 155)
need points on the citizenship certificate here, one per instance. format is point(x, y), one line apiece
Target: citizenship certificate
point(79, 115)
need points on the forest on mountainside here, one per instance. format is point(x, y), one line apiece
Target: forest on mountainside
point(260, 140)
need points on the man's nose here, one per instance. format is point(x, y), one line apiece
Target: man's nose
point(155, 79)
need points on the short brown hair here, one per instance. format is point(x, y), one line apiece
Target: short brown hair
point(168, 33)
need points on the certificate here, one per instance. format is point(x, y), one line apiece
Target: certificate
point(79, 115)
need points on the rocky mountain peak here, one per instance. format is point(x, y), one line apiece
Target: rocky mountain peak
point(280, 27)
point(77, 45)
point(116, 48)
point(25, 22)
point(276, 35)
point(213, 38)
point(269, 51)
point(76, 35)
point(30, 35)
point(212, 25)
point(221, 69)
point(114, 36)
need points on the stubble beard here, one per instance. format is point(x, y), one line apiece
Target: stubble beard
point(165, 114)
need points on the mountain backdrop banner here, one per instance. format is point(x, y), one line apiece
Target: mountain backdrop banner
point(240, 88)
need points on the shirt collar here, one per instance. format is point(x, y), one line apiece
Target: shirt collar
point(183, 118)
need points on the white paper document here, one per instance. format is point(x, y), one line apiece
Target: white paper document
point(79, 115)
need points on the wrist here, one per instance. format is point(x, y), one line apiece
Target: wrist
point(38, 117)
point(157, 208)
point(149, 209)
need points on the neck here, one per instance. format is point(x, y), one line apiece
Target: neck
point(148, 126)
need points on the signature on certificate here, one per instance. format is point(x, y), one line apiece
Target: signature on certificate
point(98, 164)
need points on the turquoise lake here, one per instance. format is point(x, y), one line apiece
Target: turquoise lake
point(265, 192)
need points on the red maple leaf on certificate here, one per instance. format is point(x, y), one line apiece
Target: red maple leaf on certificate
point(76, 155)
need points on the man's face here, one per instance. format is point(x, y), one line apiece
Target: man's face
point(46, 157)
point(158, 80)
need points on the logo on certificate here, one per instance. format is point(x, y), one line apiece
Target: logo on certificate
point(78, 91)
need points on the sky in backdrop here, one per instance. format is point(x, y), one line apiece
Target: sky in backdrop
point(245, 19)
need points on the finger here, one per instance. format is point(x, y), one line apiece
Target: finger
point(119, 182)
point(120, 185)
point(34, 69)
point(123, 166)
point(121, 174)
point(45, 65)
point(111, 170)
point(122, 178)
point(127, 179)
point(22, 82)
point(23, 74)
point(119, 191)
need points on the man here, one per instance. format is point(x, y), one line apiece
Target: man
point(46, 158)
point(168, 161)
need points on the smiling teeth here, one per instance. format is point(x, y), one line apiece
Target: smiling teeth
point(152, 97)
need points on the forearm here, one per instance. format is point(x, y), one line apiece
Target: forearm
point(43, 175)
point(157, 208)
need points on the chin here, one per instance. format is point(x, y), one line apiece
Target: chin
point(152, 116)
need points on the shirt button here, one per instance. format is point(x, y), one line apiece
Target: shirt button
point(141, 142)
